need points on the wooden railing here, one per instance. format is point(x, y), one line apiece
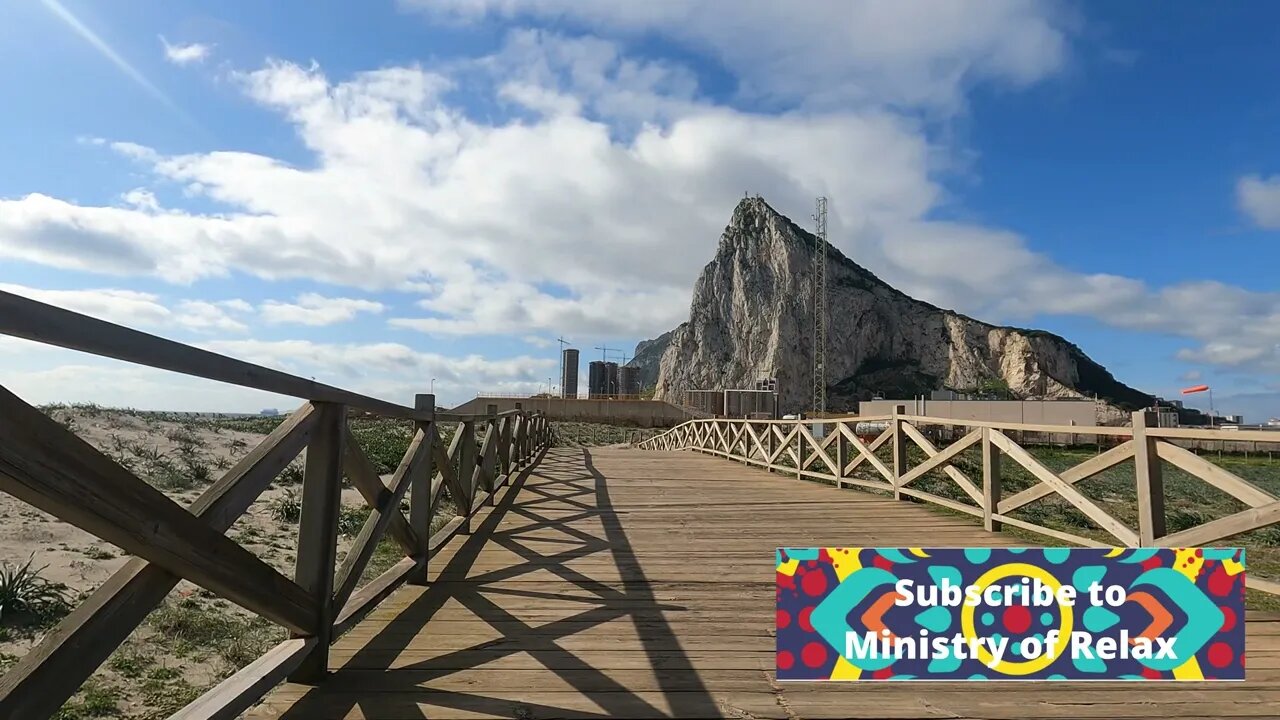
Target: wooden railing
point(833, 454)
point(47, 466)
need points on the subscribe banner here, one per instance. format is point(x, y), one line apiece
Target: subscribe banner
point(1010, 614)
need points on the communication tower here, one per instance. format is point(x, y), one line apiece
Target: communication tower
point(820, 309)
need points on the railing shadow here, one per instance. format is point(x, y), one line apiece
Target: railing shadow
point(563, 481)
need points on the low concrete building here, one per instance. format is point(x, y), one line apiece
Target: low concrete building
point(636, 413)
point(1039, 412)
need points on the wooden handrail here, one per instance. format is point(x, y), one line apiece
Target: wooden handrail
point(47, 466)
point(834, 456)
point(32, 320)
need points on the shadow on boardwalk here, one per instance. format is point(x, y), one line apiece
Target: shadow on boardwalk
point(563, 488)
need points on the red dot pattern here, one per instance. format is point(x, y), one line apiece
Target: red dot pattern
point(1016, 619)
point(786, 660)
point(1220, 655)
point(814, 583)
point(814, 654)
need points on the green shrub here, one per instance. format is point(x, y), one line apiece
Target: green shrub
point(25, 592)
point(351, 519)
point(287, 508)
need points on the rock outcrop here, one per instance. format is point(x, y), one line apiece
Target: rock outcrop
point(752, 317)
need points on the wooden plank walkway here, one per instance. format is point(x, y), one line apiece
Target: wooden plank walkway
point(585, 593)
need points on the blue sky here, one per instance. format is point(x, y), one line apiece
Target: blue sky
point(380, 193)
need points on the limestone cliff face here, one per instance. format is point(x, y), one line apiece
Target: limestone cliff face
point(752, 317)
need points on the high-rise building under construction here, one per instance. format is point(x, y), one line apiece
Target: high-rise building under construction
point(569, 373)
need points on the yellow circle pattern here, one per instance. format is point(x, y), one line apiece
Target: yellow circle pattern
point(1019, 667)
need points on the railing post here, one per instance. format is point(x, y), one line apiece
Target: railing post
point(466, 472)
point(420, 489)
point(504, 444)
point(318, 532)
point(841, 451)
point(772, 445)
point(489, 463)
point(1150, 481)
point(990, 482)
point(517, 447)
point(799, 451)
point(899, 450)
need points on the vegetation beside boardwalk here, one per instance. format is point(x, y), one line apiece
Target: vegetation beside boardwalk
point(195, 639)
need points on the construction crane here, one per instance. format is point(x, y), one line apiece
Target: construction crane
point(604, 352)
point(820, 309)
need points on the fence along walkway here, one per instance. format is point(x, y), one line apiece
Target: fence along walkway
point(611, 583)
point(616, 582)
point(793, 447)
point(50, 468)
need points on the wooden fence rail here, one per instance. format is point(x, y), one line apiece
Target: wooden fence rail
point(830, 450)
point(47, 466)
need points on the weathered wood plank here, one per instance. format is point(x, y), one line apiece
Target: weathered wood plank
point(1215, 530)
point(1230, 483)
point(52, 671)
point(353, 565)
point(364, 478)
point(50, 468)
point(867, 454)
point(423, 489)
point(32, 320)
point(1071, 476)
point(939, 458)
point(1104, 519)
point(229, 698)
point(318, 534)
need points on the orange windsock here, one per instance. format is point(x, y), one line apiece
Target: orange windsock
point(1194, 389)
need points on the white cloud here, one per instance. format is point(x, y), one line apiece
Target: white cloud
point(313, 309)
point(142, 199)
point(557, 223)
point(1259, 199)
point(825, 52)
point(392, 370)
point(179, 54)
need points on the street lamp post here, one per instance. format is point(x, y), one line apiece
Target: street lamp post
point(433, 386)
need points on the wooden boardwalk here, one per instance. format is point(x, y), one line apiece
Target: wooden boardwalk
point(589, 591)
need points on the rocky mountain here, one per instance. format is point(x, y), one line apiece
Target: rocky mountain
point(647, 358)
point(752, 317)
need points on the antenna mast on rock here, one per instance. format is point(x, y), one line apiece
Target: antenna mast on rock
point(820, 310)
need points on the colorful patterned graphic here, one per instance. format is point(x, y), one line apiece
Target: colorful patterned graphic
point(1010, 613)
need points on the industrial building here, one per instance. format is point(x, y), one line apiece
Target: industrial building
point(628, 381)
point(734, 403)
point(751, 404)
point(710, 402)
point(1037, 412)
point(602, 379)
point(569, 373)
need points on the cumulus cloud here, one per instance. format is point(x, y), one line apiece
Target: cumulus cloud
point(138, 309)
point(313, 309)
point(1259, 199)
point(552, 221)
point(823, 53)
point(180, 54)
point(392, 370)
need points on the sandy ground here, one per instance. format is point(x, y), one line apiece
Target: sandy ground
point(82, 562)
